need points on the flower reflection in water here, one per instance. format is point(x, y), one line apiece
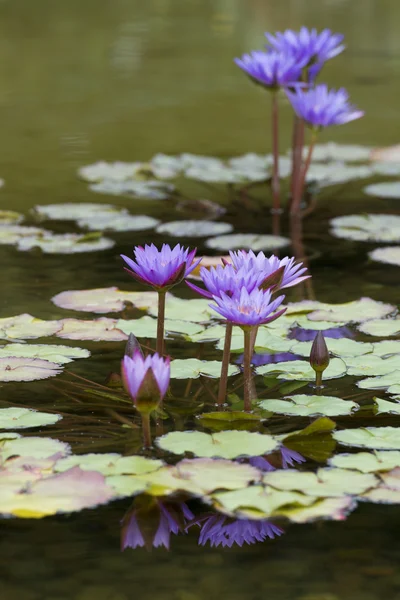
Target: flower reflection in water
point(223, 531)
point(308, 335)
point(150, 522)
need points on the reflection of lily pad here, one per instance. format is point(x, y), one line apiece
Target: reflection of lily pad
point(376, 438)
point(251, 241)
point(367, 227)
point(310, 406)
point(301, 370)
point(21, 418)
point(191, 368)
point(194, 228)
point(390, 255)
point(27, 369)
point(104, 300)
point(367, 462)
point(65, 243)
point(381, 327)
point(225, 444)
point(323, 483)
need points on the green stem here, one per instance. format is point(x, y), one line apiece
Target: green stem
point(247, 368)
point(146, 430)
point(160, 323)
point(223, 382)
point(275, 151)
point(318, 379)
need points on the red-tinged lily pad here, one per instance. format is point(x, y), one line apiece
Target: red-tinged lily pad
point(27, 369)
point(25, 326)
point(97, 330)
point(104, 300)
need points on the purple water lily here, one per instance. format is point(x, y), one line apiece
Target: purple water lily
point(307, 46)
point(151, 521)
point(248, 309)
point(292, 273)
point(271, 69)
point(146, 379)
point(259, 462)
point(320, 107)
point(290, 457)
point(227, 279)
point(220, 530)
point(163, 268)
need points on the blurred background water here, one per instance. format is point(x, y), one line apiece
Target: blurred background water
point(86, 80)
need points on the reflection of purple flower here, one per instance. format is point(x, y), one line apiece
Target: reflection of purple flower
point(259, 462)
point(320, 107)
point(161, 268)
point(152, 524)
point(146, 379)
point(219, 530)
point(293, 273)
point(227, 279)
point(271, 69)
point(248, 309)
point(290, 457)
point(308, 335)
point(266, 359)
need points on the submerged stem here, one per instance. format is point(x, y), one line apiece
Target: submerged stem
point(146, 430)
point(275, 151)
point(160, 323)
point(223, 382)
point(302, 175)
point(247, 368)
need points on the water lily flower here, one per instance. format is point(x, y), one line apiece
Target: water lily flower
point(220, 530)
point(259, 462)
point(320, 107)
point(271, 69)
point(248, 309)
point(291, 273)
point(150, 522)
point(163, 268)
point(307, 46)
point(290, 457)
point(227, 279)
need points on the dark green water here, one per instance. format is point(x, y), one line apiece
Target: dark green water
point(122, 80)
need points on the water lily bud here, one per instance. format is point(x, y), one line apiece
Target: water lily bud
point(132, 345)
point(319, 357)
point(146, 380)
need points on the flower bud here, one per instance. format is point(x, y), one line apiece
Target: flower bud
point(319, 355)
point(146, 380)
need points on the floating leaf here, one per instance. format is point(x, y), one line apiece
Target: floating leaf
point(27, 327)
point(9, 217)
point(390, 255)
point(225, 444)
point(342, 347)
point(121, 221)
point(367, 227)
point(147, 327)
point(197, 310)
point(376, 438)
point(65, 243)
point(27, 369)
point(384, 406)
point(367, 462)
point(117, 171)
point(194, 228)
point(357, 311)
point(314, 441)
point(145, 190)
point(387, 348)
point(381, 327)
point(21, 418)
point(238, 420)
point(251, 241)
point(72, 211)
point(342, 152)
point(13, 234)
point(32, 447)
point(52, 352)
point(266, 341)
point(310, 406)
point(301, 370)
point(110, 464)
point(372, 365)
point(386, 189)
point(336, 509)
point(102, 329)
point(324, 483)
point(105, 300)
point(191, 368)
point(384, 382)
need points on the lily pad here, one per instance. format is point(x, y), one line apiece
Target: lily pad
point(381, 327)
point(375, 438)
point(21, 418)
point(65, 243)
point(197, 310)
point(310, 406)
point(342, 347)
point(343, 152)
point(145, 190)
point(314, 441)
point(14, 234)
point(147, 327)
point(367, 462)
point(301, 370)
point(194, 228)
point(110, 464)
point(367, 227)
point(383, 382)
point(265, 341)
point(224, 444)
point(54, 353)
point(335, 509)
point(386, 407)
point(121, 221)
point(72, 211)
point(389, 255)
point(105, 300)
point(191, 368)
point(372, 364)
point(386, 189)
point(357, 311)
point(251, 241)
point(116, 171)
point(97, 330)
point(387, 348)
point(10, 217)
point(25, 327)
point(27, 369)
point(33, 447)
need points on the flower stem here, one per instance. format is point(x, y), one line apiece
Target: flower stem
point(247, 368)
point(318, 379)
point(146, 430)
point(276, 203)
point(223, 382)
point(160, 323)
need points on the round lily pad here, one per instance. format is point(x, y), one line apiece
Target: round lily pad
point(147, 327)
point(375, 438)
point(96, 330)
point(390, 255)
point(191, 368)
point(9, 217)
point(25, 327)
point(386, 189)
point(310, 406)
point(300, 370)
point(372, 364)
point(14, 234)
point(195, 311)
point(110, 464)
point(65, 243)
point(249, 241)
point(367, 462)
point(381, 327)
point(27, 369)
point(21, 418)
point(104, 300)
point(224, 444)
point(342, 347)
point(343, 152)
point(33, 447)
point(54, 352)
point(116, 171)
point(356, 311)
point(194, 228)
point(72, 211)
point(367, 227)
point(121, 221)
point(145, 190)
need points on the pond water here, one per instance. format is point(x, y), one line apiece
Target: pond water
point(123, 80)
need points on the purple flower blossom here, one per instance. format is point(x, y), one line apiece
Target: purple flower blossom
point(292, 272)
point(248, 309)
point(321, 107)
point(308, 47)
point(219, 530)
point(290, 457)
point(259, 462)
point(151, 524)
point(308, 335)
point(146, 379)
point(227, 279)
point(271, 69)
point(163, 268)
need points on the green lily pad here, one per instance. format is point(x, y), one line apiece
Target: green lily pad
point(384, 382)
point(32, 447)
point(367, 228)
point(72, 211)
point(357, 311)
point(65, 243)
point(145, 190)
point(265, 341)
point(147, 327)
point(110, 464)
point(25, 327)
point(51, 352)
point(247, 241)
point(324, 483)
point(384, 407)
point(389, 255)
point(224, 444)
point(310, 406)
point(196, 310)
point(105, 300)
point(372, 365)
point(121, 221)
point(335, 509)
point(386, 189)
point(126, 485)
point(194, 228)
point(341, 347)
point(191, 368)
point(21, 418)
point(367, 462)
point(376, 438)
point(381, 327)
point(386, 348)
point(340, 152)
point(96, 330)
point(314, 441)
point(210, 334)
point(301, 370)
point(10, 217)
point(27, 369)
